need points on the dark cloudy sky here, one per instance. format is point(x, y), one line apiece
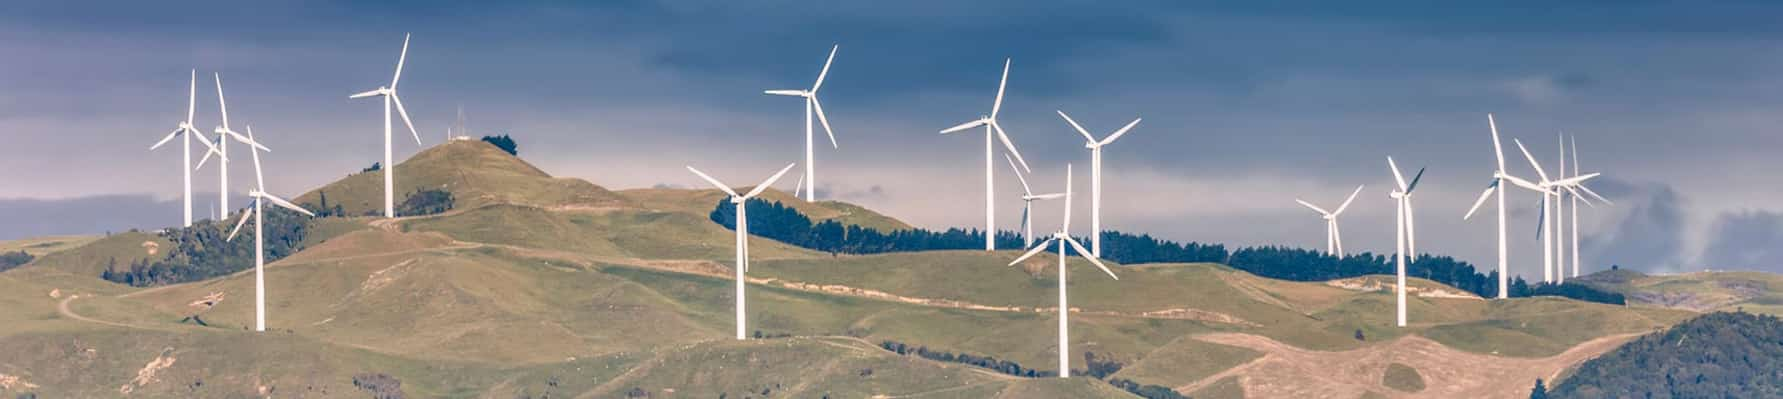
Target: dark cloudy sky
point(1246, 106)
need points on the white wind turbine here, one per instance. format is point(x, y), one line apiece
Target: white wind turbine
point(1333, 238)
point(258, 211)
point(390, 97)
point(1064, 237)
point(742, 229)
point(1499, 176)
point(992, 129)
point(1095, 147)
point(185, 131)
point(1550, 190)
point(1406, 234)
point(221, 147)
point(812, 106)
point(1575, 206)
point(1028, 198)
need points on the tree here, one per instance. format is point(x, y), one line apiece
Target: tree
point(1540, 391)
point(505, 143)
point(375, 166)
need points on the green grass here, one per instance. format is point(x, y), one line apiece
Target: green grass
point(1403, 378)
point(40, 246)
point(1225, 388)
point(91, 259)
point(1185, 361)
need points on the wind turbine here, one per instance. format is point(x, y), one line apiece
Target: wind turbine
point(742, 229)
point(390, 97)
point(1499, 176)
point(1063, 237)
point(221, 148)
point(1587, 190)
point(1550, 190)
point(1333, 238)
point(1406, 234)
point(811, 104)
point(1095, 147)
point(991, 128)
point(1028, 198)
point(258, 211)
point(185, 131)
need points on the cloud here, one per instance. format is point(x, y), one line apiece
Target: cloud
point(1648, 237)
point(1745, 240)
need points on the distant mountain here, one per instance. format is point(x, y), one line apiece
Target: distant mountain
point(1719, 355)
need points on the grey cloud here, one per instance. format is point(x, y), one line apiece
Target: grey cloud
point(1746, 240)
point(94, 214)
point(1648, 237)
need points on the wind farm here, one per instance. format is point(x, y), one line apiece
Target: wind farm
point(567, 252)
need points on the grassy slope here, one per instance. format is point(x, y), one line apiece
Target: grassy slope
point(91, 259)
point(43, 245)
point(701, 202)
point(475, 172)
point(1699, 291)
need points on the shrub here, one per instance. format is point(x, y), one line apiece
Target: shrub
point(425, 202)
point(505, 143)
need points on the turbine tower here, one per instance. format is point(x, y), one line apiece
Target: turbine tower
point(1550, 190)
point(1333, 238)
point(258, 211)
point(390, 97)
point(1063, 237)
point(1095, 147)
point(812, 106)
point(185, 131)
point(742, 229)
point(1028, 198)
point(1499, 176)
point(992, 129)
point(1402, 198)
point(221, 148)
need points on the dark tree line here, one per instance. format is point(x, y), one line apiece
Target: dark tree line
point(505, 143)
point(9, 260)
point(200, 252)
point(783, 223)
point(1718, 355)
point(425, 202)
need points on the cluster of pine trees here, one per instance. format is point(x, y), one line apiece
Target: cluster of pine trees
point(201, 251)
point(1718, 355)
point(9, 260)
point(783, 223)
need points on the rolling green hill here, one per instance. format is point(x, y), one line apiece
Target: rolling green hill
point(1697, 291)
point(535, 285)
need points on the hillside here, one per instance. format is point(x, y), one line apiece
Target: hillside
point(1724, 355)
point(1697, 291)
point(573, 290)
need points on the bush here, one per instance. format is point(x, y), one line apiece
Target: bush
point(9, 260)
point(505, 143)
point(425, 202)
point(201, 251)
point(380, 385)
point(1717, 355)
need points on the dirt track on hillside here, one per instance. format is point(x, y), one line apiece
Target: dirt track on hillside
point(1286, 371)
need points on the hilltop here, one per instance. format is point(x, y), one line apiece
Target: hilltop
point(1705, 291)
point(534, 284)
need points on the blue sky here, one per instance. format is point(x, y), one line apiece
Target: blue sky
point(1246, 106)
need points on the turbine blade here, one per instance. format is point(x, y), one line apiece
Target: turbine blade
point(1036, 250)
point(1594, 195)
point(164, 140)
point(1482, 201)
point(1085, 253)
point(192, 97)
point(1415, 179)
point(1575, 180)
point(1346, 203)
point(287, 204)
point(1118, 133)
point(1397, 177)
point(793, 93)
point(996, 106)
point(1541, 218)
point(207, 154)
point(1538, 166)
point(1523, 183)
point(825, 120)
point(201, 139)
point(221, 103)
point(1018, 175)
point(366, 94)
point(964, 126)
point(399, 60)
point(826, 70)
point(246, 140)
point(1010, 145)
point(1497, 149)
point(1315, 208)
point(1047, 196)
point(769, 182)
point(796, 187)
point(715, 183)
point(405, 116)
point(259, 179)
point(1074, 125)
point(1581, 197)
point(244, 221)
